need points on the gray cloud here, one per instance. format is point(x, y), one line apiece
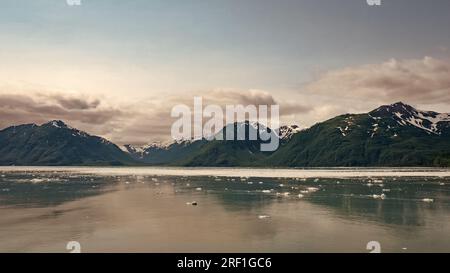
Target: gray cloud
point(417, 81)
point(153, 122)
point(18, 108)
point(73, 103)
point(139, 122)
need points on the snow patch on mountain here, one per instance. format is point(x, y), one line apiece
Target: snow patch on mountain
point(288, 131)
point(406, 115)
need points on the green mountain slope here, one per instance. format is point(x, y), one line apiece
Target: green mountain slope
point(394, 135)
point(55, 143)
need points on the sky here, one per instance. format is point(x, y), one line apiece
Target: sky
point(115, 68)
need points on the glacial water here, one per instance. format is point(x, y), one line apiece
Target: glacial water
point(237, 209)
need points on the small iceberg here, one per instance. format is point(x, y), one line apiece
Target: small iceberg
point(36, 180)
point(428, 200)
point(312, 189)
point(381, 196)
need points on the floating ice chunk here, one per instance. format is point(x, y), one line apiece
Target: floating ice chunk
point(260, 182)
point(37, 180)
point(282, 194)
point(266, 191)
point(428, 200)
point(312, 189)
point(381, 196)
point(281, 185)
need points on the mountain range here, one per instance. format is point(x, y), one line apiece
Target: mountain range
point(391, 135)
point(55, 143)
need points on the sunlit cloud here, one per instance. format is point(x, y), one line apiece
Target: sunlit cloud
point(127, 121)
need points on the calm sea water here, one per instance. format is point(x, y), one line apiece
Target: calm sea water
point(238, 210)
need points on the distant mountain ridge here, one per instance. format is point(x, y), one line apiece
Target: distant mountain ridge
point(391, 135)
point(183, 151)
point(56, 143)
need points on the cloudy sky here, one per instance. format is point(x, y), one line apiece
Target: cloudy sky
point(115, 68)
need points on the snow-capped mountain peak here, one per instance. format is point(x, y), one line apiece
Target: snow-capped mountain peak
point(132, 149)
point(57, 124)
point(286, 132)
point(406, 115)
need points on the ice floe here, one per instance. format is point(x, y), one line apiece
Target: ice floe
point(381, 196)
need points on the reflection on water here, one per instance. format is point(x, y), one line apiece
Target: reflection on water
point(41, 210)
